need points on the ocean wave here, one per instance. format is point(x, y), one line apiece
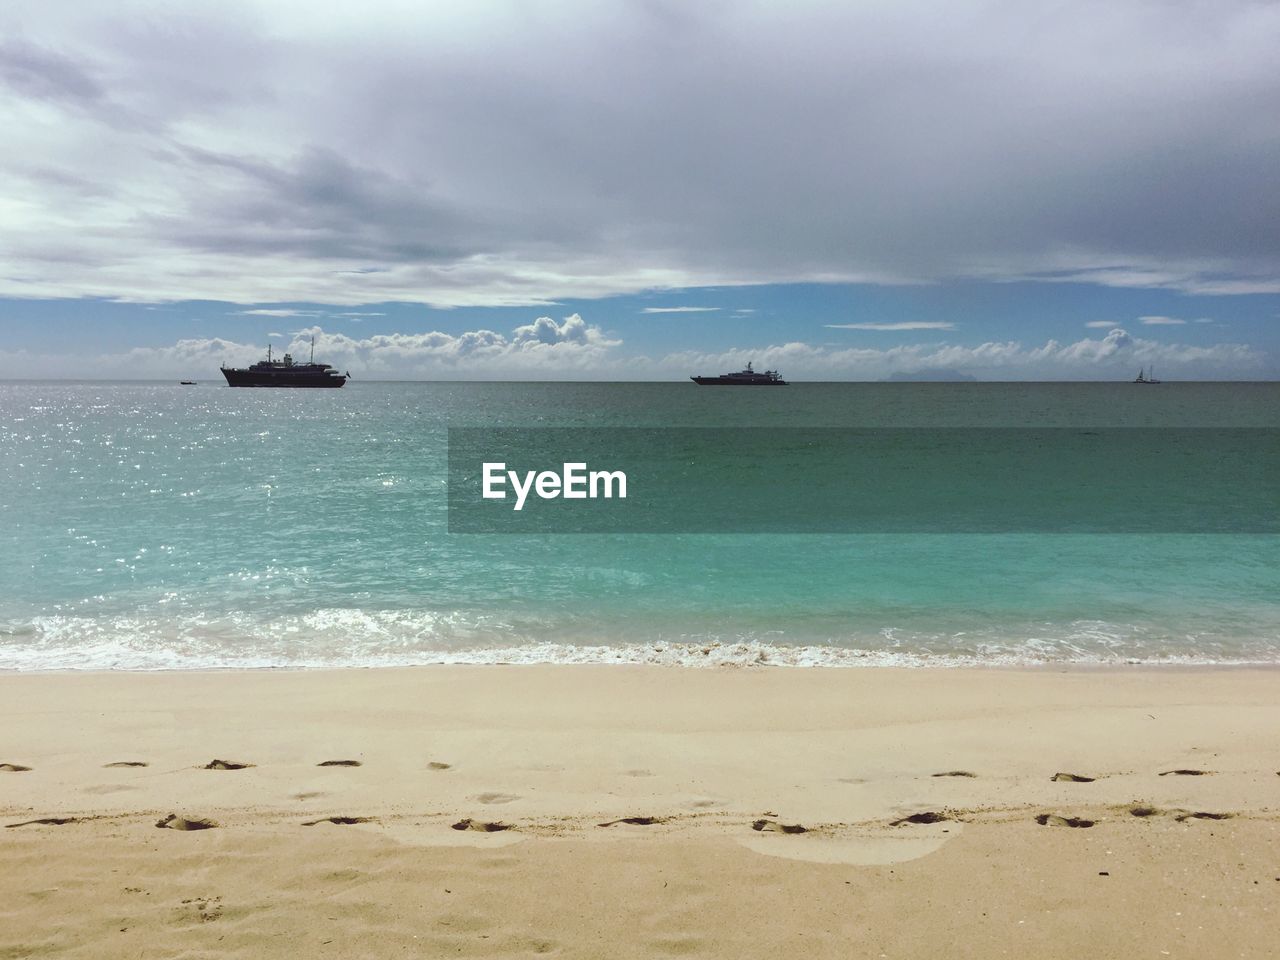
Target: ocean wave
point(353, 638)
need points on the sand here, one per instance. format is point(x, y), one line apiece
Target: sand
point(932, 822)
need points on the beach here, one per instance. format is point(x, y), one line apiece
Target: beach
point(619, 811)
point(381, 579)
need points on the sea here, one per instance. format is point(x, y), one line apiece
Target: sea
point(152, 526)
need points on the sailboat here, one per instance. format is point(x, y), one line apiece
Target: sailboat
point(1143, 378)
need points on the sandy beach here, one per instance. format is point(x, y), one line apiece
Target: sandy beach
point(607, 811)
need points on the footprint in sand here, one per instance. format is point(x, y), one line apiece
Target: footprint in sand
point(341, 821)
point(704, 804)
point(928, 816)
point(483, 826)
point(637, 821)
point(1072, 778)
point(175, 822)
point(13, 768)
point(1143, 810)
point(638, 773)
point(494, 798)
point(124, 763)
point(954, 773)
point(308, 795)
point(338, 763)
point(1202, 815)
point(204, 909)
point(1187, 773)
point(49, 821)
point(773, 826)
point(1053, 820)
point(102, 789)
point(226, 765)
point(438, 765)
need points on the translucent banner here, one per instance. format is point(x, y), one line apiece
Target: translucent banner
point(866, 480)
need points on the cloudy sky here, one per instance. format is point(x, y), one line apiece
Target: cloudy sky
point(642, 189)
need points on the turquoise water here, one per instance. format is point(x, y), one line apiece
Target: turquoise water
point(158, 526)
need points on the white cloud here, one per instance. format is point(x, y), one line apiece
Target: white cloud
point(542, 349)
point(547, 349)
point(907, 325)
point(1100, 324)
point(281, 312)
point(679, 309)
point(1107, 358)
point(1161, 321)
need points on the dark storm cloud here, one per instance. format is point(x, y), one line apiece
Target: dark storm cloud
point(44, 74)
point(509, 152)
point(317, 205)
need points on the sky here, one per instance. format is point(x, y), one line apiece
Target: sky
point(642, 190)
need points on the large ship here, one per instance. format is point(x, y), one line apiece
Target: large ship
point(285, 373)
point(743, 378)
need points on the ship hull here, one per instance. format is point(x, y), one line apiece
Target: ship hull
point(253, 378)
point(718, 382)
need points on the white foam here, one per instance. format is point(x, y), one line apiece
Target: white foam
point(342, 638)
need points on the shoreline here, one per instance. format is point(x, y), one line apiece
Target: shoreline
point(1064, 666)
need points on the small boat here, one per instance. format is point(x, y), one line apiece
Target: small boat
point(1143, 378)
point(186, 383)
point(743, 378)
